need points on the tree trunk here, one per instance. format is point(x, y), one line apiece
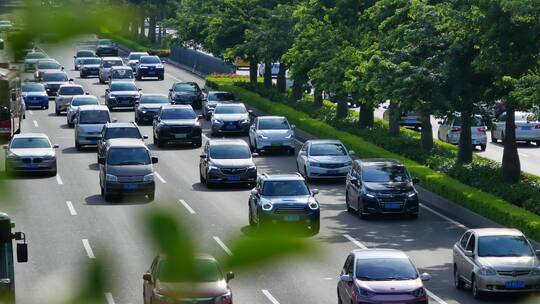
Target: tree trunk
point(142, 33)
point(511, 167)
point(342, 110)
point(297, 90)
point(393, 118)
point(426, 132)
point(281, 83)
point(318, 98)
point(152, 29)
point(465, 150)
point(267, 74)
point(253, 67)
point(366, 116)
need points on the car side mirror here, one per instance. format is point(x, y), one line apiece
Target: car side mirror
point(250, 112)
point(293, 126)
point(203, 89)
point(538, 253)
point(56, 146)
point(229, 276)
point(154, 160)
point(86, 93)
point(145, 136)
point(170, 90)
point(345, 278)
point(139, 89)
point(469, 253)
point(70, 80)
point(439, 122)
point(425, 277)
point(254, 192)
point(351, 152)
point(5, 147)
point(101, 160)
point(204, 156)
point(114, 120)
point(107, 90)
point(200, 117)
point(315, 191)
point(147, 277)
point(415, 180)
point(75, 57)
point(22, 252)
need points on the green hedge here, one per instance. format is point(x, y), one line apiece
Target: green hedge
point(135, 45)
point(488, 205)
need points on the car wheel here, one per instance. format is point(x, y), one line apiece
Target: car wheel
point(349, 208)
point(493, 138)
point(151, 196)
point(161, 77)
point(361, 212)
point(53, 173)
point(339, 298)
point(477, 294)
point(57, 112)
point(101, 81)
point(250, 216)
point(306, 177)
point(537, 142)
point(102, 192)
point(198, 143)
point(201, 178)
point(154, 139)
point(77, 146)
point(315, 228)
point(458, 283)
point(291, 151)
point(482, 147)
point(503, 138)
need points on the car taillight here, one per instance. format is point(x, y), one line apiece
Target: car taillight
point(537, 127)
point(482, 130)
point(455, 129)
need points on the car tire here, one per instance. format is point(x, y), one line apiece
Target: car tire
point(101, 81)
point(349, 208)
point(482, 147)
point(477, 294)
point(291, 151)
point(339, 298)
point(198, 143)
point(151, 196)
point(57, 112)
point(315, 228)
point(53, 173)
point(537, 142)
point(70, 124)
point(161, 77)
point(202, 180)
point(458, 282)
point(77, 146)
point(250, 218)
point(306, 177)
point(361, 212)
point(493, 138)
point(413, 216)
point(46, 108)
point(503, 138)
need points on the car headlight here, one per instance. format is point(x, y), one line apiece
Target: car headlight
point(487, 271)
point(420, 292)
point(149, 177)
point(289, 136)
point(260, 136)
point(143, 111)
point(112, 97)
point(313, 204)
point(12, 155)
point(411, 194)
point(369, 193)
point(212, 168)
point(314, 164)
point(142, 67)
point(349, 163)
point(364, 293)
point(111, 178)
point(245, 121)
point(252, 168)
point(217, 121)
point(267, 206)
point(159, 66)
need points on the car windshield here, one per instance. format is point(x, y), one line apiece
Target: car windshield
point(85, 54)
point(35, 55)
point(385, 269)
point(122, 74)
point(273, 124)
point(105, 42)
point(225, 96)
point(128, 156)
point(71, 91)
point(327, 150)
point(154, 99)
point(136, 56)
point(285, 188)
point(91, 61)
point(230, 109)
point(183, 113)
point(110, 63)
point(231, 151)
point(123, 87)
point(525, 117)
point(205, 270)
point(30, 142)
point(32, 87)
point(55, 77)
point(94, 117)
point(385, 174)
point(476, 122)
point(122, 132)
point(49, 65)
point(184, 87)
point(504, 246)
point(150, 60)
point(83, 101)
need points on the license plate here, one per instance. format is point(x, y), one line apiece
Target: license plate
point(180, 135)
point(515, 284)
point(130, 186)
point(31, 166)
point(410, 120)
point(333, 172)
point(291, 218)
point(230, 127)
point(392, 205)
point(276, 144)
point(233, 178)
point(526, 128)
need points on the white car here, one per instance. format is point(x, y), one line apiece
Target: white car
point(132, 59)
point(450, 131)
point(527, 128)
point(105, 67)
point(76, 102)
point(271, 133)
point(30, 152)
point(323, 158)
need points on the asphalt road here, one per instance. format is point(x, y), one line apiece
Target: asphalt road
point(67, 222)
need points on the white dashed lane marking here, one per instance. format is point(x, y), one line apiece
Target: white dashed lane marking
point(88, 249)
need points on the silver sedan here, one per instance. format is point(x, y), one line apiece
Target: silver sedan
point(31, 152)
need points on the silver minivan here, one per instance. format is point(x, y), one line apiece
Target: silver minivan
point(89, 122)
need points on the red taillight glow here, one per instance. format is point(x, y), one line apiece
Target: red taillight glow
point(455, 129)
point(482, 130)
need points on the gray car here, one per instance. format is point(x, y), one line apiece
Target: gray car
point(80, 55)
point(30, 152)
point(285, 199)
point(46, 65)
point(105, 67)
point(321, 158)
point(127, 167)
point(227, 162)
point(31, 59)
point(64, 96)
point(496, 260)
point(76, 102)
point(270, 133)
point(122, 94)
point(89, 122)
point(89, 66)
point(132, 59)
point(231, 118)
point(213, 99)
point(121, 73)
point(53, 80)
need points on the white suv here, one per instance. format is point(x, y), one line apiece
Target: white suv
point(271, 133)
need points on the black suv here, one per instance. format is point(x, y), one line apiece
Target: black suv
point(106, 47)
point(284, 199)
point(117, 130)
point(122, 94)
point(148, 107)
point(177, 124)
point(381, 186)
point(186, 93)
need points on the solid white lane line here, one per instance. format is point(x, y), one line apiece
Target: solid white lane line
point(71, 208)
point(354, 241)
point(109, 298)
point(173, 77)
point(523, 154)
point(222, 245)
point(270, 296)
point(160, 178)
point(458, 224)
point(59, 179)
point(189, 209)
point(36, 124)
point(434, 297)
point(88, 249)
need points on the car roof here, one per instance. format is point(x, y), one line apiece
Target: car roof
point(30, 135)
point(270, 117)
point(324, 141)
point(281, 177)
point(93, 108)
point(230, 104)
point(379, 254)
point(88, 58)
point(153, 94)
point(123, 82)
point(111, 58)
point(379, 161)
point(120, 67)
point(47, 60)
point(84, 96)
point(496, 231)
point(218, 142)
point(149, 56)
point(126, 142)
point(120, 125)
point(176, 106)
point(71, 85)
point(137, 53)
point(55, 72)
point(217, 92)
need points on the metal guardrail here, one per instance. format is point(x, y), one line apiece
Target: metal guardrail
point(199, 63)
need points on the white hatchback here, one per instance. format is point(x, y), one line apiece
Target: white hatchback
point(450, 131)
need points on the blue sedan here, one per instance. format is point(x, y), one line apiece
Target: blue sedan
point(34, 95)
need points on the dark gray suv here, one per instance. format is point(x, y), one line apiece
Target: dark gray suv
point(126, 168)
point(227, 162)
